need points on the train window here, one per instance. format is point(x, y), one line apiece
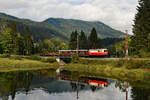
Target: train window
point(100, 50)
point(105, 50)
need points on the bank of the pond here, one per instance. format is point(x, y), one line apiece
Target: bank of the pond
point(7, 64)
point(120, 69)
point(110, 69)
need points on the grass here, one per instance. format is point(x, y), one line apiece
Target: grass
point(7, 65)
point(119, 69)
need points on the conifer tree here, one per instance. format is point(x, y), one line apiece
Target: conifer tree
point(28, 41)
point(93, 39)
point(14, 36)
point(83, 41)
point(73, 40)
point(141, 27)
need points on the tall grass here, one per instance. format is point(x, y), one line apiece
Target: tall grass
point(7, 64)
point(4, 55)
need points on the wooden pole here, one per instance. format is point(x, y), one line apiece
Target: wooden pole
point(77, 45)
point(126, 55)
point(77, 84)
point(127, 91)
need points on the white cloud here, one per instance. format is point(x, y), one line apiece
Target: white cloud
point(119, 14)
point(109, 93)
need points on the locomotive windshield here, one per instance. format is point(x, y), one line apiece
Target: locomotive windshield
point(105, 50)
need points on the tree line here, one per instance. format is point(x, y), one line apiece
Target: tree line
point(90, 42)
point(12, 42)
point(139, 43)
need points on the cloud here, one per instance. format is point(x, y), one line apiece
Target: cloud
point(118, 14)
point(109, 93)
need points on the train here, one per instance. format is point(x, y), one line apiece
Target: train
point(85, 53)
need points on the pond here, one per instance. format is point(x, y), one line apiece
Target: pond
point(49, 85)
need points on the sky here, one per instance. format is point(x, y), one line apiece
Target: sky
point(119, 14)
point(107, 93)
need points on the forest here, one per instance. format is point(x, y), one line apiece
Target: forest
point(13, 42)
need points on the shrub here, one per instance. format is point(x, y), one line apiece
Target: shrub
point(144, 53)
point(119, 63)
point(84, 61)
point(147, 65)
point(101, 62)
point(75, 59)
point(49, 59)
point(34, 57)
point(16, 57)
point(133, 64)
point(5, 56)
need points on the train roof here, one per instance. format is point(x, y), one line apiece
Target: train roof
point(99, 49)
point(71, 50)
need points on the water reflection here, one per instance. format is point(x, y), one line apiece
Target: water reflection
point(46, 84)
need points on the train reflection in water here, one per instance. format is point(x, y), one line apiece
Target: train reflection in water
point(92, 81)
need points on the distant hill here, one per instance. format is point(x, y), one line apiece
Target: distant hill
point(66, 26)
point(39, 30)
point(59, 28)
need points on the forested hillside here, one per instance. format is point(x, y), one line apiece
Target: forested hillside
point(39, 30)
point(59, 28)
point(66, 26)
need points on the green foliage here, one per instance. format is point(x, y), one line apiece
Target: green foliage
point(4, 55)
point(73, 40)
point(133, 64)
point(111, 41)
point(92, 42)
point(66, 26)
point(144, 53)
point(83, 42)
point(120, 49)
point(12, 42)
point(51, 45)
point(84, 61)
point(49, 59)
point(29, 47)
point(6, 41)
point(94, 62)
point(93, 39)
point(119, 63)
point(7, 65)
point(33, 57)
point(141, 28)
point(60, 28)
point(16, 57)
point(75, 59)
point(36, 28)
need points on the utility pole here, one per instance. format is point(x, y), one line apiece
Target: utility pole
point(77, 84)
point(126, 90)
point(77, 45)
point(126, 46)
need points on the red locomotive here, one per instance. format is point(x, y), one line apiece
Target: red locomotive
point(98, 52)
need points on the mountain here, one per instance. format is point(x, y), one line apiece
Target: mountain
point(66, 26)
point(58, 27)
point(38, 30)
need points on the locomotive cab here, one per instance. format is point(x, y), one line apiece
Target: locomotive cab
point(98, 52)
